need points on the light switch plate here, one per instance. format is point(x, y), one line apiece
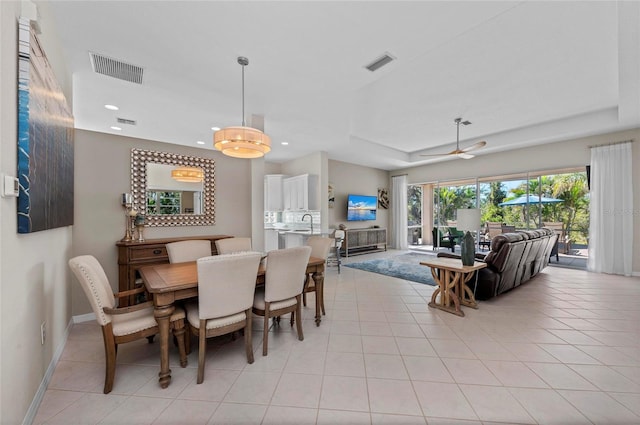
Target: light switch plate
point(10, 187)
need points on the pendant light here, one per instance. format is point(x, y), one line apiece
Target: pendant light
point(243, 141)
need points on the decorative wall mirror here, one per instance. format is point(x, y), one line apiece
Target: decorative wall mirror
point(167, 199)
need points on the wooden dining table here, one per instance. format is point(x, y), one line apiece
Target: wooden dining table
point(168, 283)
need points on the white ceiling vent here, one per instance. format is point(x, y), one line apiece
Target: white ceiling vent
point(126, 121)
point(380, 62)
point(117, 69)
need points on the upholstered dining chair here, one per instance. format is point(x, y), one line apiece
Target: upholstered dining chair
point(190, 250)
point(232, 245)
point(226, 285)
point(282, 291)
point(320, 247)
point(124, 324)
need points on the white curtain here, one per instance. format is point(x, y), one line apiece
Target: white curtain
point(399, 212)
point(611, 208)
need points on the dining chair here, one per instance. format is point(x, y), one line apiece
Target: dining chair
point(320, 247)
point(191, 250)
point(232, 245)
point(124, 324)
point(282, 291)
point(226, 285)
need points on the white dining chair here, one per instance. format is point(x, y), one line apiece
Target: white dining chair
point(320, 247)
point(226, 285)
point(125, 324)
point(282, 291)
point(232, 245)
point(190, 250)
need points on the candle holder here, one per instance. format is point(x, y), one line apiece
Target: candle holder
point(139, 223)
point(126, 204)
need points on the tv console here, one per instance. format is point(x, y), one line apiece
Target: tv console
point(364, 241)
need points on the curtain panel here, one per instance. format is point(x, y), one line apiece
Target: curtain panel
point(611, 210)
point(399, 212)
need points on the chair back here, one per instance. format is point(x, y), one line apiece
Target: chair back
point(183, 251)
point(286, 273)
point(338, 237)
point(95, 284)
point(226, 283)
point(233, 245)
point(320, 246)
point(494, 228)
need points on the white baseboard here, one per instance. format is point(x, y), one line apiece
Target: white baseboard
point(37, 399)
point(84, 318)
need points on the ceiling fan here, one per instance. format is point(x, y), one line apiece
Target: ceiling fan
point(461, 153)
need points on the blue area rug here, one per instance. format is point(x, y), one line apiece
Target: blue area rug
point(405, 266)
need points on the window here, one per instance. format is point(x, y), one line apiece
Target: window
point(160, 202)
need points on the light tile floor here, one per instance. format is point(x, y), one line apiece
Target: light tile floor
point(562, 349)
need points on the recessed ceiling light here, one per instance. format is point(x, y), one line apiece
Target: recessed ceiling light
point(284, 143)
point(113, 127)
point(111, 107)
point(215, 128)
point(200, 142)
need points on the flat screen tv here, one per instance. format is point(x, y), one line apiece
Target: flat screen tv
point(361, 207)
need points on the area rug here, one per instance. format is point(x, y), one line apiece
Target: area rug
point(405, 266)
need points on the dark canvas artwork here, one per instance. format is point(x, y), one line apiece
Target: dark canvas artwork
point(45, 141)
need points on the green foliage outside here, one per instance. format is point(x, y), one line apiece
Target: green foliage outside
point(571, 188)
point(573, 212)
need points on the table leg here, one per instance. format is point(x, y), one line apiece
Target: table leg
point(447, 281)
point(162, 315)
point(466, 295)
point(318, 278)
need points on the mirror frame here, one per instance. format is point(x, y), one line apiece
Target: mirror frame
point(139, 160)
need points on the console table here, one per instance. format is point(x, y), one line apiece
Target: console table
point(134, 255)
point(364, 240)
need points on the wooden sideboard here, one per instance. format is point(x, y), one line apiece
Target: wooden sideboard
point(362, 241)
point(133, 255)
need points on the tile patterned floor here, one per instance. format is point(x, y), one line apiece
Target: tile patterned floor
point(562, 349)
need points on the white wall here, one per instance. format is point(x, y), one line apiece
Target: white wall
point(99, 184)
point(358, 180)
point(571, 153)
point(34, 277)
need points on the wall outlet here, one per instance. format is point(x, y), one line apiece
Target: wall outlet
point(43, 332)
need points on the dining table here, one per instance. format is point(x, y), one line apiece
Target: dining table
point(168, 283)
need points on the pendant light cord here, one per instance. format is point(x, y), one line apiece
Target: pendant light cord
point(243, 123)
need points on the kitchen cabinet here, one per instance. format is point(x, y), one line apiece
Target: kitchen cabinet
point(293, 240)
point(300, 193)
point(270, 239)
point(273, 195)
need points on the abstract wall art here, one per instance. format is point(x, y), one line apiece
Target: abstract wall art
point(45, 141)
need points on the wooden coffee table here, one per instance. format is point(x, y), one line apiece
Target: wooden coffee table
point(452, 277)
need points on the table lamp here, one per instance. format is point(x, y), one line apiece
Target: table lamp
point(469, 220)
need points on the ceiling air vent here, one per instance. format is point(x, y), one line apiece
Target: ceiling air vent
point(126, 121)
point(117, 69)
point(380, 62)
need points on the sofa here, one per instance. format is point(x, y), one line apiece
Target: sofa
point(513, 259)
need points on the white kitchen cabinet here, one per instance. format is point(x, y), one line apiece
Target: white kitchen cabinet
point(300, 193)
point(293, 240)
point(270, 239)
point(273, 192)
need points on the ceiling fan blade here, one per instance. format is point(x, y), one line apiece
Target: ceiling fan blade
point(475, 146)
point(464, 155)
